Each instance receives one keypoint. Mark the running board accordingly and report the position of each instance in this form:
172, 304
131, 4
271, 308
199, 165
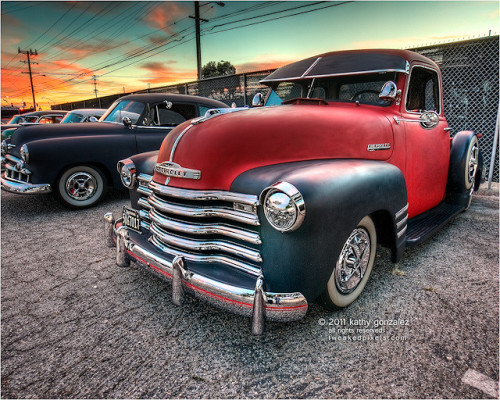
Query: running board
423, 226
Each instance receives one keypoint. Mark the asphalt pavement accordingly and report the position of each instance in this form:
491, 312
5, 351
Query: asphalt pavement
74, 325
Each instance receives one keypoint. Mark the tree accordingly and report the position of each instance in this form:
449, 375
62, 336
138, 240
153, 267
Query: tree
211, 69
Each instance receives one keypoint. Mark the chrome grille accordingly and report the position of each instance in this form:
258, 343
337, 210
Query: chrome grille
12, 173
203, 226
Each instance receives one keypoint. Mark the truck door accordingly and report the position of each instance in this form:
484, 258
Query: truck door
428, 150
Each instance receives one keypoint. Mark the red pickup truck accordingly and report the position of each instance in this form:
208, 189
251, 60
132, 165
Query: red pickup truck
261, 211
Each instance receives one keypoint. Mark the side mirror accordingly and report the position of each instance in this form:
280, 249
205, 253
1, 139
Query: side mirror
258, 100
429, 119
127, 122
93, 119
389, 92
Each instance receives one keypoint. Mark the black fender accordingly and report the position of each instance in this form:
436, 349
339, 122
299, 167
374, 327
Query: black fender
337, 195
456, 191
144, 164
48, 158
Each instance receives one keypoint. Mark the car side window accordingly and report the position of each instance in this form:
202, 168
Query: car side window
163, 115
45, 120
423, 91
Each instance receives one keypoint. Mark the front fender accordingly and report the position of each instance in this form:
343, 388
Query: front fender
337, 195
49, 157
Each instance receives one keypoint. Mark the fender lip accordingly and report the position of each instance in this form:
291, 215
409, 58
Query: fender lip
282, 307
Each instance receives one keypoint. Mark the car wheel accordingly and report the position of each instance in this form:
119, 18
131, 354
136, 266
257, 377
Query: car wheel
471, 166
81, 186
353, 266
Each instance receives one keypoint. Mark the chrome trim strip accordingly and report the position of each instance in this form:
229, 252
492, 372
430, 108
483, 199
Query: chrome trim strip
204, 194
311, 67
332, 75
144, 190
401, 223
204, 245
402, 232
206, 258
12, 158
203, 212
401, 212
144, 177
174, 147
23, 187
203, 229
143, 202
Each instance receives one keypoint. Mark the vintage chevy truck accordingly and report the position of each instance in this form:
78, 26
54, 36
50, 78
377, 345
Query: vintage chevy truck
262, 211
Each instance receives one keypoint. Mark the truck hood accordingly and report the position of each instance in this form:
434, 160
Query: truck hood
225, 146
26, 134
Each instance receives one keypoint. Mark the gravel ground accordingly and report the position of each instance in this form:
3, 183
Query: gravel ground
74, 325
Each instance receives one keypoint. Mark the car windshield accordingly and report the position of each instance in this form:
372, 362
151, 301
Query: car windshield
15, 120
352, 88
122, 109
72, 118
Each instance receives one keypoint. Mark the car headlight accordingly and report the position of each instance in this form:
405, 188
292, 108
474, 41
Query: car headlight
25, 154
128, 173
284, 206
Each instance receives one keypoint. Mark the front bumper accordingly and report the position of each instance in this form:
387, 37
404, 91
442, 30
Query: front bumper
256, 303
23, 187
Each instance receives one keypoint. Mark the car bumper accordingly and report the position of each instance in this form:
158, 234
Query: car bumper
255, 303
23, 187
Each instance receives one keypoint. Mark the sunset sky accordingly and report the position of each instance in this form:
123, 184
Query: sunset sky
130, 44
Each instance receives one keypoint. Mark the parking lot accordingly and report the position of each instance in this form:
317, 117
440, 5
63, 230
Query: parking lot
74, 325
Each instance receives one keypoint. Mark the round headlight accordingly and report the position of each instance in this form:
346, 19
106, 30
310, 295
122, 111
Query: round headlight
284, 206
127, 171
25, 155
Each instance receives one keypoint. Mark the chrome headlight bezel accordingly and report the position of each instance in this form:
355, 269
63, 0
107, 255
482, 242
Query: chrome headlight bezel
283, 206
25, 154
128, 173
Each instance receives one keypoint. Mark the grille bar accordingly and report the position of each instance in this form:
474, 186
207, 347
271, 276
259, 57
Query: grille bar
204, 194
206, 258
204, 245
203, 212
204, 229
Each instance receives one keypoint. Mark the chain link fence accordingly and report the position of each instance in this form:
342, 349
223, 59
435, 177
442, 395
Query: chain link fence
470, 71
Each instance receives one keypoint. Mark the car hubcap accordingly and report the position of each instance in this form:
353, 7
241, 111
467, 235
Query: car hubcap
353, 261
473, 161
81, 186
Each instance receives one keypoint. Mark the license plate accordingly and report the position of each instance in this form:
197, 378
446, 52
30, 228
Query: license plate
131, 219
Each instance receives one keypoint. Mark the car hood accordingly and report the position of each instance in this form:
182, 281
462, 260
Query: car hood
225, 146
25, 134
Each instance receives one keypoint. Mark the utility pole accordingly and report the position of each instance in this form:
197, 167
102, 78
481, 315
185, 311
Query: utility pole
28, 54
197, 20
95, 85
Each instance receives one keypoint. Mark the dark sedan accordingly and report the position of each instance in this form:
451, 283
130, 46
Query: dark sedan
77, 162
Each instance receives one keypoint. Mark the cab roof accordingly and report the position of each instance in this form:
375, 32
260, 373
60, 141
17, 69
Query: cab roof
351, 62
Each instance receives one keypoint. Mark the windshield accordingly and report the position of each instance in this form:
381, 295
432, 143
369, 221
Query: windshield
122, 109
352, 88
71, 118
15, 120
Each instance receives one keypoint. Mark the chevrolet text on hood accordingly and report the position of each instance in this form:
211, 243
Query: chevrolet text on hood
261, 211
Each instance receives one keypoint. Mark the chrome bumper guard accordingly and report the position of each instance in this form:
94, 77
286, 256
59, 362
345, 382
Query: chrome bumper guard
256, 304
23, 187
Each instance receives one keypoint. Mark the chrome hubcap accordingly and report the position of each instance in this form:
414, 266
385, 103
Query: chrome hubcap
81, 186
353, 261
473, 162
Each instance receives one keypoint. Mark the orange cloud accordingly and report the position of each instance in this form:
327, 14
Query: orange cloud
161, 73
252, 66
163, 15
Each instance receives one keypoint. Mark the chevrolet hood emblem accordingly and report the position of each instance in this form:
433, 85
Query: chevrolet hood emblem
173, 170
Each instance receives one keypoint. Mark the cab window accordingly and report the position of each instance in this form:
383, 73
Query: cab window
423, 91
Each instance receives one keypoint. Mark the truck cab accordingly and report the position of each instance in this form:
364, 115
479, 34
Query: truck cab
261, 211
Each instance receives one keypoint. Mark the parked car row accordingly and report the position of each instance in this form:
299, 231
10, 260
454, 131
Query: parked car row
261, 211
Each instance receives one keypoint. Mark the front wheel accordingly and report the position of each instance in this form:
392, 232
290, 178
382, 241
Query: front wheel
80, 187
353, 266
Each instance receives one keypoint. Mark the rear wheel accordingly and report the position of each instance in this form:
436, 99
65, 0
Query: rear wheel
81, 186
353, 266
471, 166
